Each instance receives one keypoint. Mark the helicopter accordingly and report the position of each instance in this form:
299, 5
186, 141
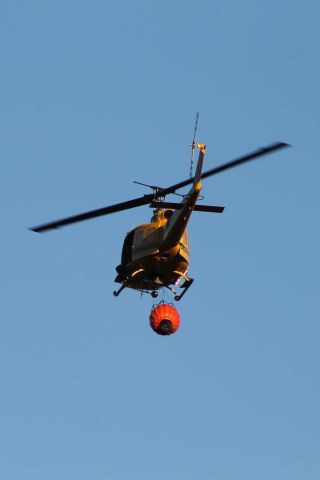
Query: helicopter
156, 255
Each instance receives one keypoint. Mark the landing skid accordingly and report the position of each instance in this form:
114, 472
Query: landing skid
185, 286
116, 293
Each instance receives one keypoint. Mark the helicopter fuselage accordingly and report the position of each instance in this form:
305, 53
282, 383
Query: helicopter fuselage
148, 262
156, 255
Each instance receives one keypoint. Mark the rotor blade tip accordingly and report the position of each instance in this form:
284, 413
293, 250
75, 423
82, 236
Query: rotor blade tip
284, 144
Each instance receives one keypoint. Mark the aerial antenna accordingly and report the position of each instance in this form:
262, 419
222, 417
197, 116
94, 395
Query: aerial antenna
193, 144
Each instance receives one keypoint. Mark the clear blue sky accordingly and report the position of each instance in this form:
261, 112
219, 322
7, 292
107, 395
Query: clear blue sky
94, 95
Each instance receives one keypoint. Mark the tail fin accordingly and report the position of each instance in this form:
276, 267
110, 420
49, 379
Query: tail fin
197, 178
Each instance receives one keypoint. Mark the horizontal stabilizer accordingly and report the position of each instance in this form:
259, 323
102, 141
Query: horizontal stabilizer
178, 206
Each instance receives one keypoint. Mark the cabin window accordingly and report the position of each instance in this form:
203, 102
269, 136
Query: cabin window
185, 239
126, 256
151, 235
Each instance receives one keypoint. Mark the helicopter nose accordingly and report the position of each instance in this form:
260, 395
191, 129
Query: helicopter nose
165, 327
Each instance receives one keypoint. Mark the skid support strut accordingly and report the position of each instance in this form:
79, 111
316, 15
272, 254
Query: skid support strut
187, 284
116, 293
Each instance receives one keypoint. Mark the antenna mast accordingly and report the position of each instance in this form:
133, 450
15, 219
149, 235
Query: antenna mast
193, 144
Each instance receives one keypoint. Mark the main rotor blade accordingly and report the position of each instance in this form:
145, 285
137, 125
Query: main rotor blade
178, 206
226, 166
136, 202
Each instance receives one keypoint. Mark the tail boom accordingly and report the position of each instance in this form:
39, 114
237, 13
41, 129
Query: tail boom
179, 220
